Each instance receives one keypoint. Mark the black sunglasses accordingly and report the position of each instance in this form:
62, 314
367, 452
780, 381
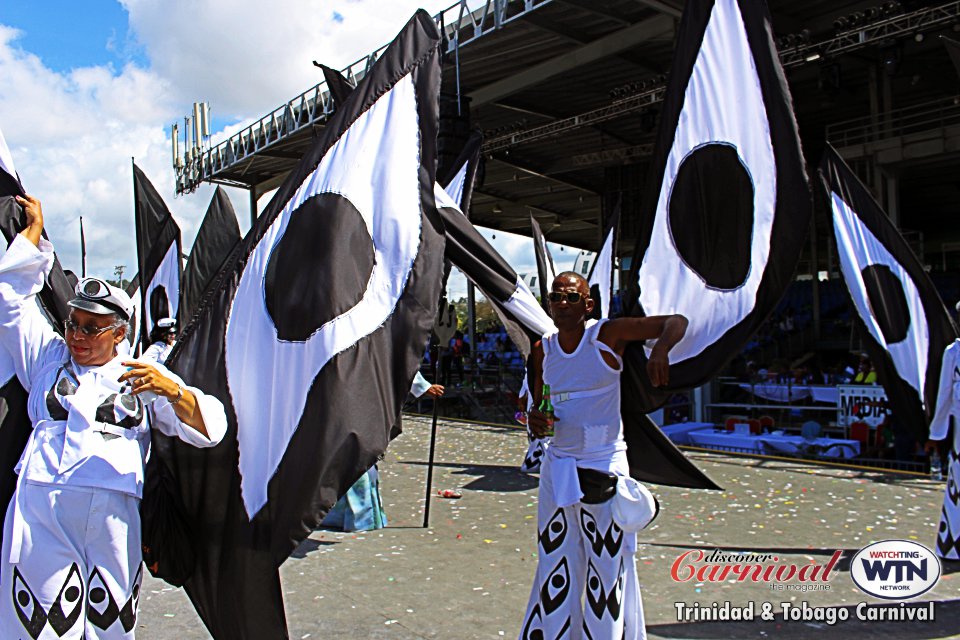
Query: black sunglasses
572, 297
89, 330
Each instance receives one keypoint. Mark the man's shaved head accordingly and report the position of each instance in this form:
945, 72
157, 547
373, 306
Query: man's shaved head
581, 282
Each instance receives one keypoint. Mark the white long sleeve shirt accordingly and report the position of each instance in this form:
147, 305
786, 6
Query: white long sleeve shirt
87, 431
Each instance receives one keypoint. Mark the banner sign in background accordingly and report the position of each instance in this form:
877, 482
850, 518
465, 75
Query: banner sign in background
861, 403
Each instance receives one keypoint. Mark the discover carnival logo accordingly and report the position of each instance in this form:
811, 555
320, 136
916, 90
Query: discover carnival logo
744, 566
895, 569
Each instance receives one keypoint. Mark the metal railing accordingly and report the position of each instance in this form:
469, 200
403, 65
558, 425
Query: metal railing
458, 25
920, 118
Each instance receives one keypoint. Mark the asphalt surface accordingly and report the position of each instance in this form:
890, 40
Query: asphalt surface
468, 575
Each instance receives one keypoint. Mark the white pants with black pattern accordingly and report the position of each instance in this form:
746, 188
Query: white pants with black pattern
586, 581
79, 571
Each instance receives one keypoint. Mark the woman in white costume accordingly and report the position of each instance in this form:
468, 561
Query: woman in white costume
162, 339
71, 560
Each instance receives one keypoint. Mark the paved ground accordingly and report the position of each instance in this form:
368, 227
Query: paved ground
468, 576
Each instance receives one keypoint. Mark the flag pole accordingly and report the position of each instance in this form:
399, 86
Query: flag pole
83, 252
433, 442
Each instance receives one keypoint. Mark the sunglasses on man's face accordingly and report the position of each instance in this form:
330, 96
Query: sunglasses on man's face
572, 297
88, 330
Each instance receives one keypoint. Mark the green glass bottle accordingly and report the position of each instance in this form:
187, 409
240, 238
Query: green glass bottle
546, 407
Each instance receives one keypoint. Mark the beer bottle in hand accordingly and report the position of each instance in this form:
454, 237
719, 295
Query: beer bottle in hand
546, 407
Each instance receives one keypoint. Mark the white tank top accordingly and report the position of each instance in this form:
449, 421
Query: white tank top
585, 392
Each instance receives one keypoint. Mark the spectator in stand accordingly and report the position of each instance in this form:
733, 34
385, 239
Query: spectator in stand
865, 373
458, 348
787, 324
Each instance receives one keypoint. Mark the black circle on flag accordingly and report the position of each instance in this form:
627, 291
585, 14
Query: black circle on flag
888, 302
711, 215
320, 267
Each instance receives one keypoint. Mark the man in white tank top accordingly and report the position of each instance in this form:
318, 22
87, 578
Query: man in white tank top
586, 582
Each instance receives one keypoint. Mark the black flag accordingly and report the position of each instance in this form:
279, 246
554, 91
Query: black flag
464, 172
311, 337
133, 335
546, 272
219, 234
158, 256
518, 309
458, 184
898, 309
729, 206
601, 272
338, 86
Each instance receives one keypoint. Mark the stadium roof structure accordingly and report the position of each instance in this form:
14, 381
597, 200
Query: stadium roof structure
567, 94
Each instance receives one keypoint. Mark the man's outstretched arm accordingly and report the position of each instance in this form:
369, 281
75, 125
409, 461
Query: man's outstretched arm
666, 330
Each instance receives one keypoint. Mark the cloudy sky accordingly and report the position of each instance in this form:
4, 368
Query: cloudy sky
90, 85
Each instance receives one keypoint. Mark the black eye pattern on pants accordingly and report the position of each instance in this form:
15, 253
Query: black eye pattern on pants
68, 606
554, 533
611, 540
102, 609
597, 597
31, 614
555, 590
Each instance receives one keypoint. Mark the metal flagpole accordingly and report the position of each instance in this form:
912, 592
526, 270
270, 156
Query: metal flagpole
433, 441
444, 328
83, 252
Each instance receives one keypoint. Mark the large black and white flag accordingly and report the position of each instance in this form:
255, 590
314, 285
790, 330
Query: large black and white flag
466, 249
728, 205
312, 335
898, 308
219, 234
158, 256
601, 272
546, 272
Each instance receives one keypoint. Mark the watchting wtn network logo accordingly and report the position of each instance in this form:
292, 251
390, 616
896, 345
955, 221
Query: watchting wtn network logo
895, 569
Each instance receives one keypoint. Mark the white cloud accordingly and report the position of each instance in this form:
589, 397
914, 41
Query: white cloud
72, 134
247, 58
